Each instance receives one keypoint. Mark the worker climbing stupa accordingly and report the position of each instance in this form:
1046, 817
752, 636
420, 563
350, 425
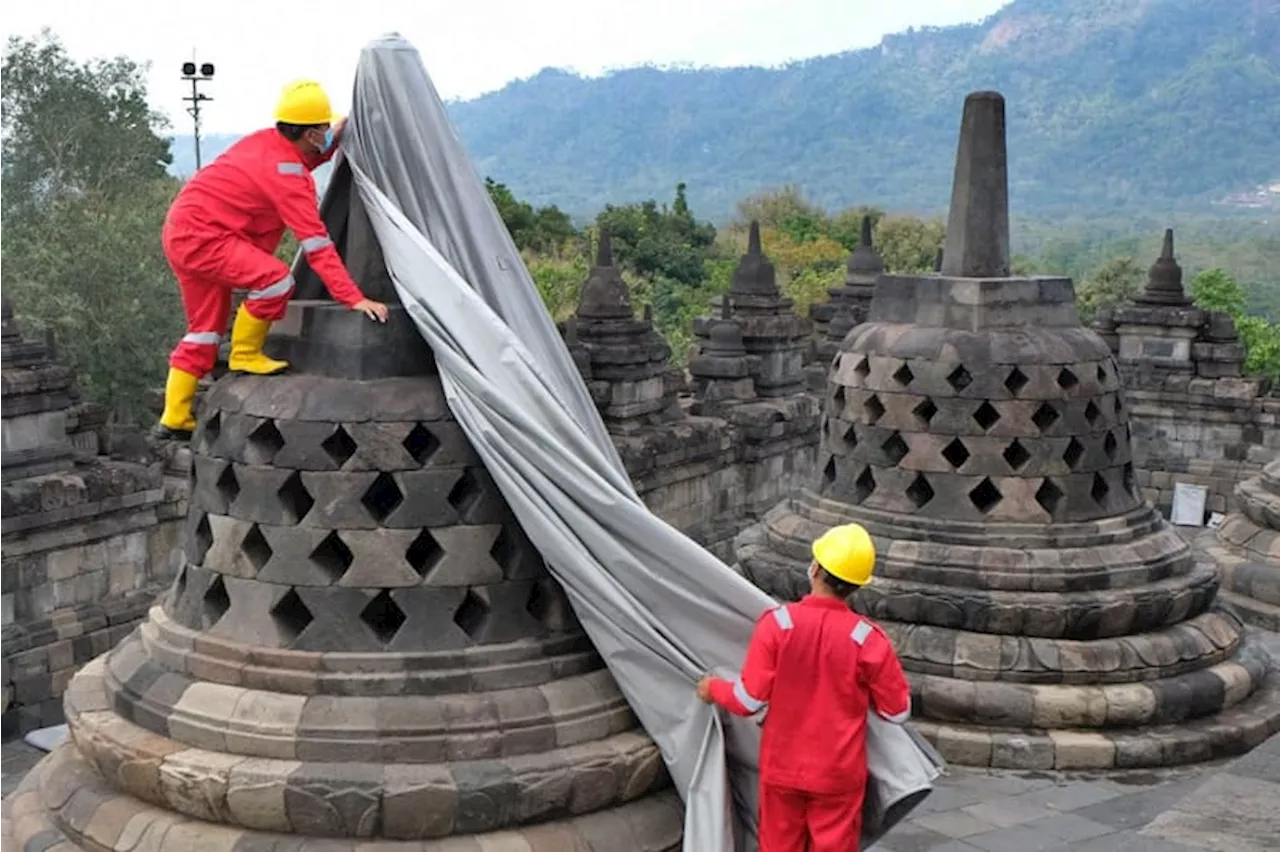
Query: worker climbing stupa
221, 234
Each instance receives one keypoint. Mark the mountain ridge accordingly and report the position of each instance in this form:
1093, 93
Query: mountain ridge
1113, 106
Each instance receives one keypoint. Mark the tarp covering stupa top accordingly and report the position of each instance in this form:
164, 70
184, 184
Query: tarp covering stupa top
661, 610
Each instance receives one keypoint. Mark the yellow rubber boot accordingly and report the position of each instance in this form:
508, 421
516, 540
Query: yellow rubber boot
247, 336
177, 422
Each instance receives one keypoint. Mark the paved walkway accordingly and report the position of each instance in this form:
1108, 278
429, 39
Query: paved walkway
1037, 812
1223, 808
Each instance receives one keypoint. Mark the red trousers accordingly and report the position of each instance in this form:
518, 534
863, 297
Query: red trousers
208, 268
796, 821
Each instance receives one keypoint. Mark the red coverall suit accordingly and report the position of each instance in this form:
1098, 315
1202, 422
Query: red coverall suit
818, 666
222, 230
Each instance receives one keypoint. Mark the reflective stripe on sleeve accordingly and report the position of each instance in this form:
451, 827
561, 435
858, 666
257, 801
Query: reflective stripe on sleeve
311, 244
753, 705
202, 338
860, 632
783, 618
280, 288
290, 168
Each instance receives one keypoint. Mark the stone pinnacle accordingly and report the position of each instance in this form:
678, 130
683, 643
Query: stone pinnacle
1164, 279
865, 259
977, 243
754, 275
604, 252
605, 295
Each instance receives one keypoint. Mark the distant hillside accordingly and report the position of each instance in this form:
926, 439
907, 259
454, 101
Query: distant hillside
1113, 106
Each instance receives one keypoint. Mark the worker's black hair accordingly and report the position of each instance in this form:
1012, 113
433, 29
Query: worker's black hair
835, 584
293, 132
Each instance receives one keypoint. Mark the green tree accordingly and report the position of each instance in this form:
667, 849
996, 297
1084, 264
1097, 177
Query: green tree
659, 241
1114, 283
784, 208
1215, 290
846, 226
908, 244
84, 198
75, 127
559, 281
545, 229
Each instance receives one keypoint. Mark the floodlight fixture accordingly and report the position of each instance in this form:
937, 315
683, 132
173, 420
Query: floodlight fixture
196, 74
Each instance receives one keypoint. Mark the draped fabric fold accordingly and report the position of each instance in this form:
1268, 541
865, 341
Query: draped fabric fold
660, 609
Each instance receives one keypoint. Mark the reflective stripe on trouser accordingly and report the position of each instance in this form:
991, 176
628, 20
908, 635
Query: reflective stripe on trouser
208, 308
277, 290
207, 273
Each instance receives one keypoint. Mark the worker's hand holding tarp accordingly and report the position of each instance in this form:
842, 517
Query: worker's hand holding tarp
660, 609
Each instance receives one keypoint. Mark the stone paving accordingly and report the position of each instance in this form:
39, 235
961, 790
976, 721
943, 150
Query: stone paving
1222, 808
1009, 811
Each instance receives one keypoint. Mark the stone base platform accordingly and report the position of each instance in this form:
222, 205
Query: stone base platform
1247, 550
1231, 732
1083, 646
65, 805
117, 785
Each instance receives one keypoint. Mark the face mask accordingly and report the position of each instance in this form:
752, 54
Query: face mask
328, 141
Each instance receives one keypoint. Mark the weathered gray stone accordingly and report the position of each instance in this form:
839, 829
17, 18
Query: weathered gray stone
342, 652
982, 437
978, 228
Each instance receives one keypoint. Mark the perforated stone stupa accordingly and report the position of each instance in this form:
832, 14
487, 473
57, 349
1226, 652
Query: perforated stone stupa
1048, 618
849, 302
1247, 547
362, 646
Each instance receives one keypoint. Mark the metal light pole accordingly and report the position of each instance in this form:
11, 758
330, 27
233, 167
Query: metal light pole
196, 75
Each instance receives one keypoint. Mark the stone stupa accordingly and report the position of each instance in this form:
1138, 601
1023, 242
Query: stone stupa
362, 650
1247, 548
1047, 617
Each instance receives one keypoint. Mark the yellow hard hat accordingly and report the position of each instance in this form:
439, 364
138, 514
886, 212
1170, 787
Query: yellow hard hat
304, 102
847, 553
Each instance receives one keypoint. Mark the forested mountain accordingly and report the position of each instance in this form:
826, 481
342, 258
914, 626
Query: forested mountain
1113, 105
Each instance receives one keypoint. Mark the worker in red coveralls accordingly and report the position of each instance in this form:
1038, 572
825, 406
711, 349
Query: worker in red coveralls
818, 667
222, 233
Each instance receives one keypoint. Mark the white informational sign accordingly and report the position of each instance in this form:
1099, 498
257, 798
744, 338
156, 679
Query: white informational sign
1188, 504
1215, 520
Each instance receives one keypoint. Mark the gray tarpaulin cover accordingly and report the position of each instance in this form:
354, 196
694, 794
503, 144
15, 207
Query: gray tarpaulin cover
661, 610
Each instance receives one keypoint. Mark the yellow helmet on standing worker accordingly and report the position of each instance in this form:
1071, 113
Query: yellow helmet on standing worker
846, 553
304, 103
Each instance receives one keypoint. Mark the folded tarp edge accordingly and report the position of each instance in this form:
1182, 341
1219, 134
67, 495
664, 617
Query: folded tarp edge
514, 390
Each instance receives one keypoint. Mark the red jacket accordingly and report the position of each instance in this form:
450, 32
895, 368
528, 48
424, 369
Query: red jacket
818, 666
256, 189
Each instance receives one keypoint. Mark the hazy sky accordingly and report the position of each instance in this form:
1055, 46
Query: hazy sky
469, 46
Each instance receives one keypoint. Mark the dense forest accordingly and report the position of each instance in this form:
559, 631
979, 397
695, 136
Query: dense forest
1114, 107
86, 162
